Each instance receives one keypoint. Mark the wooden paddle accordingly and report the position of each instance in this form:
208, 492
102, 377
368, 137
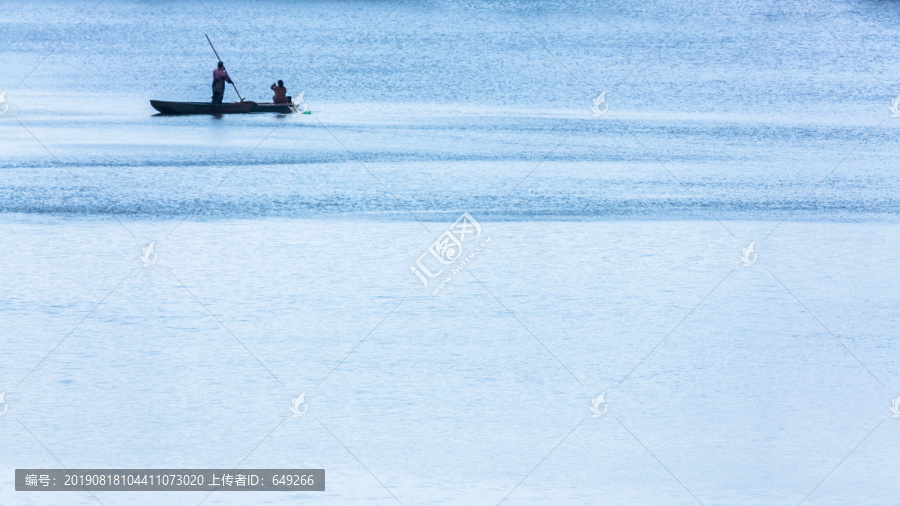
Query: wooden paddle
217, 57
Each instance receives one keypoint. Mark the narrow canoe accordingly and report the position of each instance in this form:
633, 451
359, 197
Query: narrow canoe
209, 108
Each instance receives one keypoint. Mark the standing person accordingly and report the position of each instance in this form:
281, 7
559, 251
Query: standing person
220, 77
280, 96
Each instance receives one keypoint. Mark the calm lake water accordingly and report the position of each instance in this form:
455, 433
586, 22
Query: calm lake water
283, 247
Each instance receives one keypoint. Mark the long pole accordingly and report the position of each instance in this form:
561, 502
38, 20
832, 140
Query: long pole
217, 57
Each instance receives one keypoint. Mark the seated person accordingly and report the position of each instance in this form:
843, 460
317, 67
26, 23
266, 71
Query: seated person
280, 96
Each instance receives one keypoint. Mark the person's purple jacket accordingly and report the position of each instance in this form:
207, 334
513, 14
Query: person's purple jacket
221, 75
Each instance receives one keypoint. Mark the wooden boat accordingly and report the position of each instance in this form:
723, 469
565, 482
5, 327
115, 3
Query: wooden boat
245, 107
